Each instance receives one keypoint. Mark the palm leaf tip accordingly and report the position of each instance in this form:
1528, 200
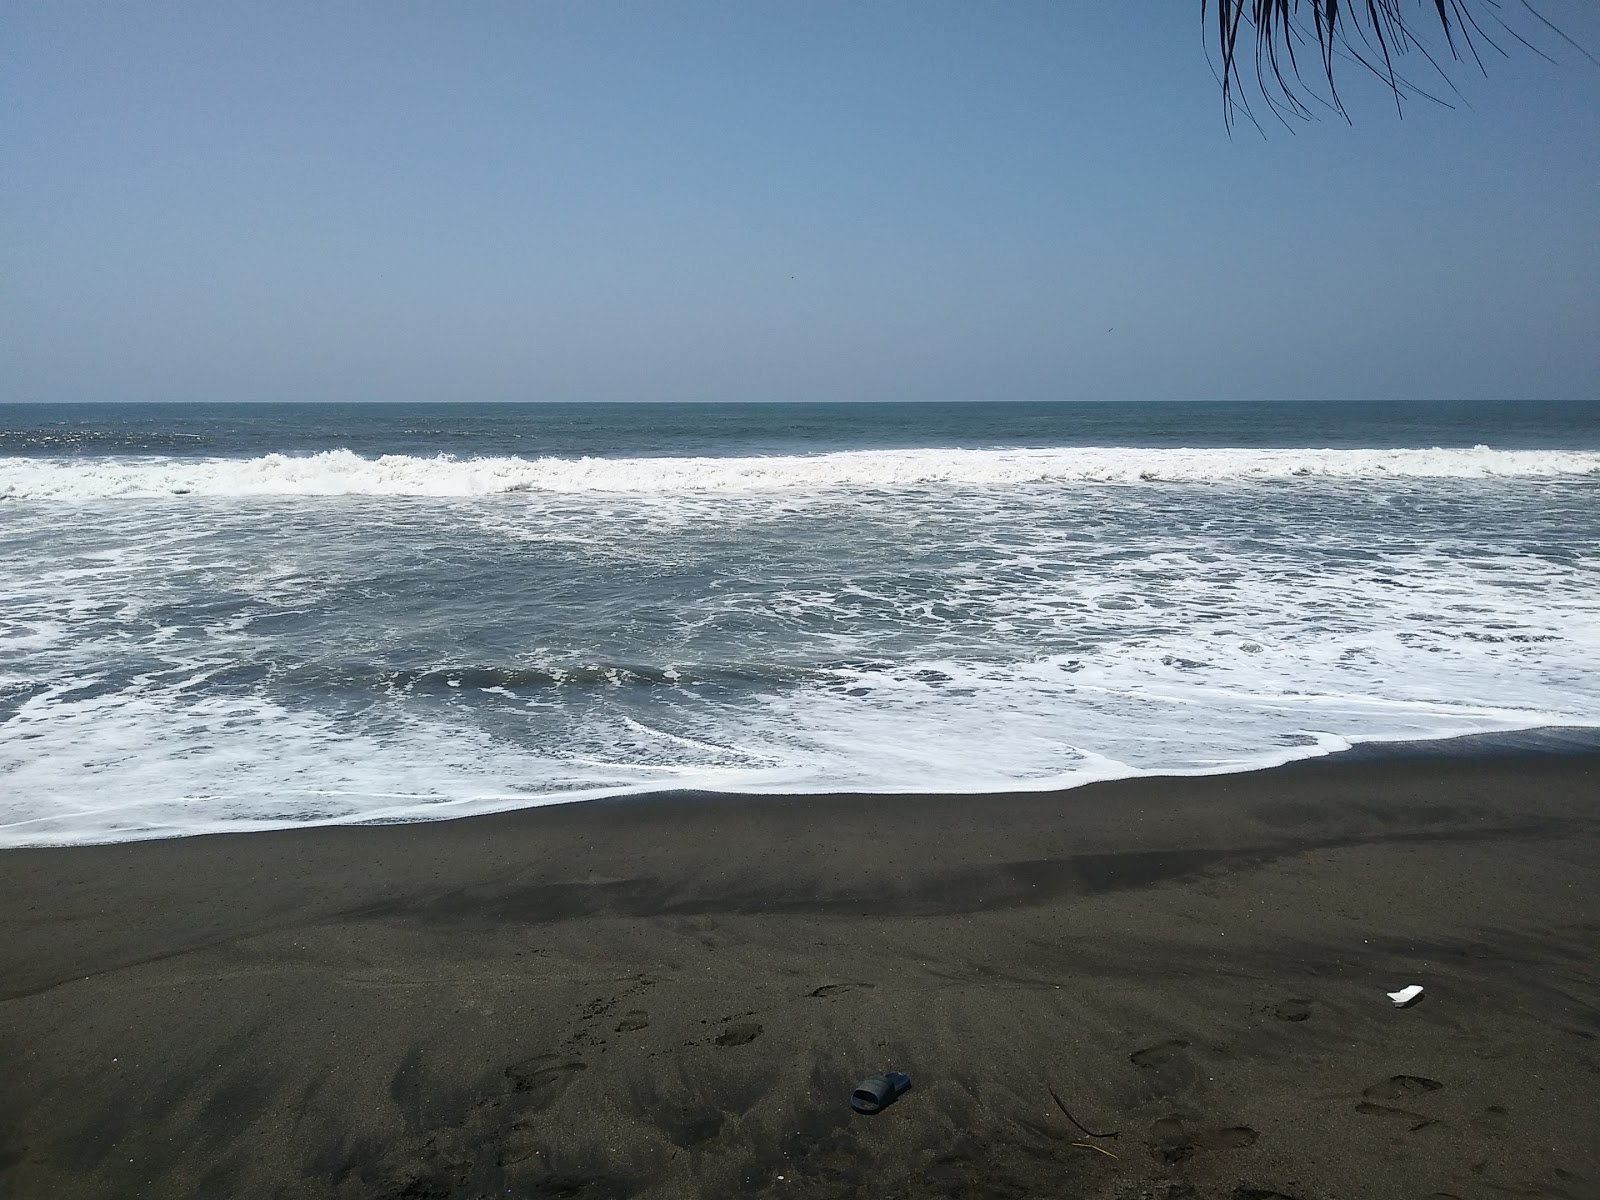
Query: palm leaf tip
1372, 36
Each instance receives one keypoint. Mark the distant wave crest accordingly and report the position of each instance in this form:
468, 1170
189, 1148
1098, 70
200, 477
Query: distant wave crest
344, 473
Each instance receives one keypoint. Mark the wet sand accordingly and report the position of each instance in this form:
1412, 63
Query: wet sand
673, 997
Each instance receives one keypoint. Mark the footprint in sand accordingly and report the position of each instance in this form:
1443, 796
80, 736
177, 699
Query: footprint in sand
1399, 1087
689, 1130
539, 1081
829, 989
1173, 1143
1234, 1137
1292, 1010
520, 1142
1155, 1056
1170, 1141
740, 1034
634, 1020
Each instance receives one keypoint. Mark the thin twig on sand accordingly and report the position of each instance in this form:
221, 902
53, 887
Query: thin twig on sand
1089, 1132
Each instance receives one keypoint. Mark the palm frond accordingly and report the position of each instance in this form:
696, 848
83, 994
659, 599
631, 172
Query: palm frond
1371, 36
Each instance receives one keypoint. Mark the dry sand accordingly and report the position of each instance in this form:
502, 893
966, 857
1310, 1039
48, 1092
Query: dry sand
672, 997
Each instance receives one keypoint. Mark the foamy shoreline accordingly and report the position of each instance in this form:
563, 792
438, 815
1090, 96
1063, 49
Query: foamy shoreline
1579, 741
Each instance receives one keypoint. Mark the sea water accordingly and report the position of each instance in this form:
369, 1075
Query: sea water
218, 617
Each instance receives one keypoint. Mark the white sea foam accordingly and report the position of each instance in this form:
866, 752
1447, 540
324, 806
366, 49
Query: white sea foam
343, 473
170, 670
150, 761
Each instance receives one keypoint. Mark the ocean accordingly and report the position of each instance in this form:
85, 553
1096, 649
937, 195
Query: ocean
227, 617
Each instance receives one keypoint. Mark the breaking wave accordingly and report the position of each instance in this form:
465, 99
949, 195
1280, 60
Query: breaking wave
344, 473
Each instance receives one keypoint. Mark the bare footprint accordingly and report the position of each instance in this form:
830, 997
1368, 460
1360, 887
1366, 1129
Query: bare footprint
1399, 1087
1170, 1141
1292, 1010
1174, 1143
631, 1021
520, 1142
1167, 1129
688, 1130
1154, 1056
539, 1081
740, 1034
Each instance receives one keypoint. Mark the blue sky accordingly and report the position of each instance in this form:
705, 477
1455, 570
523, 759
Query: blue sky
754, 200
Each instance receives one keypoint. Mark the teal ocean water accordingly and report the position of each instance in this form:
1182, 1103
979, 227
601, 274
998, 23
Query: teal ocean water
224, 617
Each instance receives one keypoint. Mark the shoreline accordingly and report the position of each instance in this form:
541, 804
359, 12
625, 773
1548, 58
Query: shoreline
1537, 740
671, 995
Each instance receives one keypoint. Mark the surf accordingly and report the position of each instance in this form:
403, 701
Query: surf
342, 472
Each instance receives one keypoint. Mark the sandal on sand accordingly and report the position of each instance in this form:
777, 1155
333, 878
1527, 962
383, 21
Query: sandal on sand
875, 1094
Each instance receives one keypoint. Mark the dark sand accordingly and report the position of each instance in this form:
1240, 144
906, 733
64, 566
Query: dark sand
673, 997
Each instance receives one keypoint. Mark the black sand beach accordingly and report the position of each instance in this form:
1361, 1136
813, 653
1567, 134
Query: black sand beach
673, 997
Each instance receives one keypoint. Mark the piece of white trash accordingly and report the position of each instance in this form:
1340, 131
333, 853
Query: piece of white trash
1406, 995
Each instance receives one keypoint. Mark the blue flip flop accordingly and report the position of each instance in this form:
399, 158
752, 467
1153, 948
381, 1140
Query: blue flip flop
876, 1093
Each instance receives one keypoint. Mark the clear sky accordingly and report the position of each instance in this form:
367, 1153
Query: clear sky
764, 200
